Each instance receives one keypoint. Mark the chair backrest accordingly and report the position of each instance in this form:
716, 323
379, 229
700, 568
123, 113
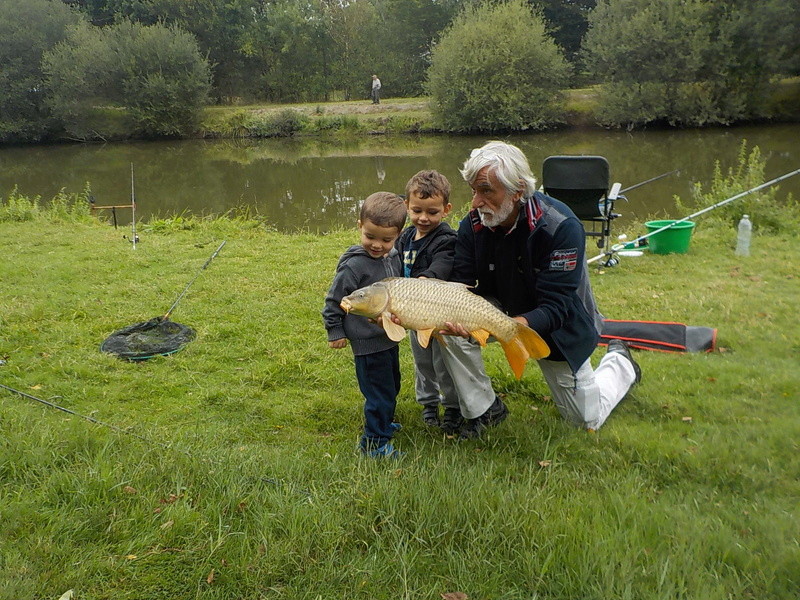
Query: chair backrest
580, 182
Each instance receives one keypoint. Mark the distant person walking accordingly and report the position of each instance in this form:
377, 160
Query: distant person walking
376, 90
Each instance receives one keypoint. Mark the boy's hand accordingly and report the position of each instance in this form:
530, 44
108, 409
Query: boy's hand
338, 344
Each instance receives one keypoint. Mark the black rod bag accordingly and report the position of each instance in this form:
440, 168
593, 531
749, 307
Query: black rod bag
660, 336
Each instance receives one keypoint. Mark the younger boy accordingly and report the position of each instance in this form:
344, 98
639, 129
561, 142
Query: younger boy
377, 363
427, 247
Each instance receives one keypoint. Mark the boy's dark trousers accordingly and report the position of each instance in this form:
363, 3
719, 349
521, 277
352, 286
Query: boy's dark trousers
379, 380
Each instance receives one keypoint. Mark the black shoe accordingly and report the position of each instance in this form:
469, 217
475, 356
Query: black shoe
430, 415
452, 421
622, 347
474, 428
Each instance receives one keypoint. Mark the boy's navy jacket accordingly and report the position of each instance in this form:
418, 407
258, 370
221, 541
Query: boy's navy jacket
537, 270
435, 256
357, 269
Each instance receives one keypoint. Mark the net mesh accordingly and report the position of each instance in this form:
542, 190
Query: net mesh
147, 339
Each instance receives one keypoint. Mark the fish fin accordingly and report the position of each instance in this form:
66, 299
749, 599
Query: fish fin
534, 344
424, 337
516, 354
481, 335
392, 329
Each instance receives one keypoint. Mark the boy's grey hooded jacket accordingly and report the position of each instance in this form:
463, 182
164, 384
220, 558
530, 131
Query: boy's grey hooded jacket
357, 269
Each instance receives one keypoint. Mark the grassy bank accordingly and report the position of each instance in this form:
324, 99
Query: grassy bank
405, 115
231, 470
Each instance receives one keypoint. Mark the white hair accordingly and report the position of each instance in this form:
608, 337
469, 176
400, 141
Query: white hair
507, 162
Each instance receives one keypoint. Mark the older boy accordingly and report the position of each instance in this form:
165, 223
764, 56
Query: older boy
427, 247
376, 357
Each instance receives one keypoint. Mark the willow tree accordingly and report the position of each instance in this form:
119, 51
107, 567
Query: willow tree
27, 30
496, 69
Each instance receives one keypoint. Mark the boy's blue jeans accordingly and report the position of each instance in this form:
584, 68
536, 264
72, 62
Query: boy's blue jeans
378, 377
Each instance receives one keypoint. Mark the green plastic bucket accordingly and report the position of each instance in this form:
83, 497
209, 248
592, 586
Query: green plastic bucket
674, 240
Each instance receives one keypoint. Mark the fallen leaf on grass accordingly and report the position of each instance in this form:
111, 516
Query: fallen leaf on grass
36, 387
686, 419
210, 578
544, 463
67, 595
131, 557
130, 490
168, 524
455, 596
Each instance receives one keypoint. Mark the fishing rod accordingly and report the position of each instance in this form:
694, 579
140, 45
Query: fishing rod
618, 247
269, 480
640, 184
134, 238
188, 285
84, 417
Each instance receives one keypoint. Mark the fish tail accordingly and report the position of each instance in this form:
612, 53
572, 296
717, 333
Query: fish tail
525, 344
537, 348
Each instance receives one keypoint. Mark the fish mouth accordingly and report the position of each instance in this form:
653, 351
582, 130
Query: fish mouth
345, 305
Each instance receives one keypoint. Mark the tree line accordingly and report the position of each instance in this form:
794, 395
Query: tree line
69, 66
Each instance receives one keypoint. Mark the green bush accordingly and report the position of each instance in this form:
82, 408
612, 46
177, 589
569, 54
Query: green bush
496, 69
18, 207
767, 213
156, 72
64, 207
684, 63
327, 124
285, 123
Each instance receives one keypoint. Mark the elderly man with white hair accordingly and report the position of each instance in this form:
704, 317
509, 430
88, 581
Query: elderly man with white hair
525, 251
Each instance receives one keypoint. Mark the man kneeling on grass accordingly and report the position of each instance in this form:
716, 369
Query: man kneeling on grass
526, 251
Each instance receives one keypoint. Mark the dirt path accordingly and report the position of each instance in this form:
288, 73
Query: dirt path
353, 107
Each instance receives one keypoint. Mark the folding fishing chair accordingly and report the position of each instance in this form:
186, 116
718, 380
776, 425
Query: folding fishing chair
582, 183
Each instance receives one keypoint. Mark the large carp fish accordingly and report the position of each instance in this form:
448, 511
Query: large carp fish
425, 305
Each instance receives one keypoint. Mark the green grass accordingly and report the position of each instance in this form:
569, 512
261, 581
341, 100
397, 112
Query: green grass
234, 471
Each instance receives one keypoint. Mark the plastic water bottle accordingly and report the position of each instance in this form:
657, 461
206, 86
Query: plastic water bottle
743, 239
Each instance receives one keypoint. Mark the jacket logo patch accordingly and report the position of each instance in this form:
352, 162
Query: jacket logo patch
564, 260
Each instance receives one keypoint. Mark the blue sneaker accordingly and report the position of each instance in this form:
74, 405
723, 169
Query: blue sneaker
396, 426
385, 451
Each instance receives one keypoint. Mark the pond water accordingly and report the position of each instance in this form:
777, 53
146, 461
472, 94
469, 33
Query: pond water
316, 185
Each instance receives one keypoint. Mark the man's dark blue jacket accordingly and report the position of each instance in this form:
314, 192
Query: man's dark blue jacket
536, 269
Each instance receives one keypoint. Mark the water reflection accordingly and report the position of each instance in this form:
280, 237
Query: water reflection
379, 170
316, 185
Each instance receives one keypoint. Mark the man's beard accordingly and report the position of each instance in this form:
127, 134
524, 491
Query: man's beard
495, 218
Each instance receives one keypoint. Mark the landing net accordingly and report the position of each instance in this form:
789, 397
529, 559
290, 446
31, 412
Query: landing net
158, 336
